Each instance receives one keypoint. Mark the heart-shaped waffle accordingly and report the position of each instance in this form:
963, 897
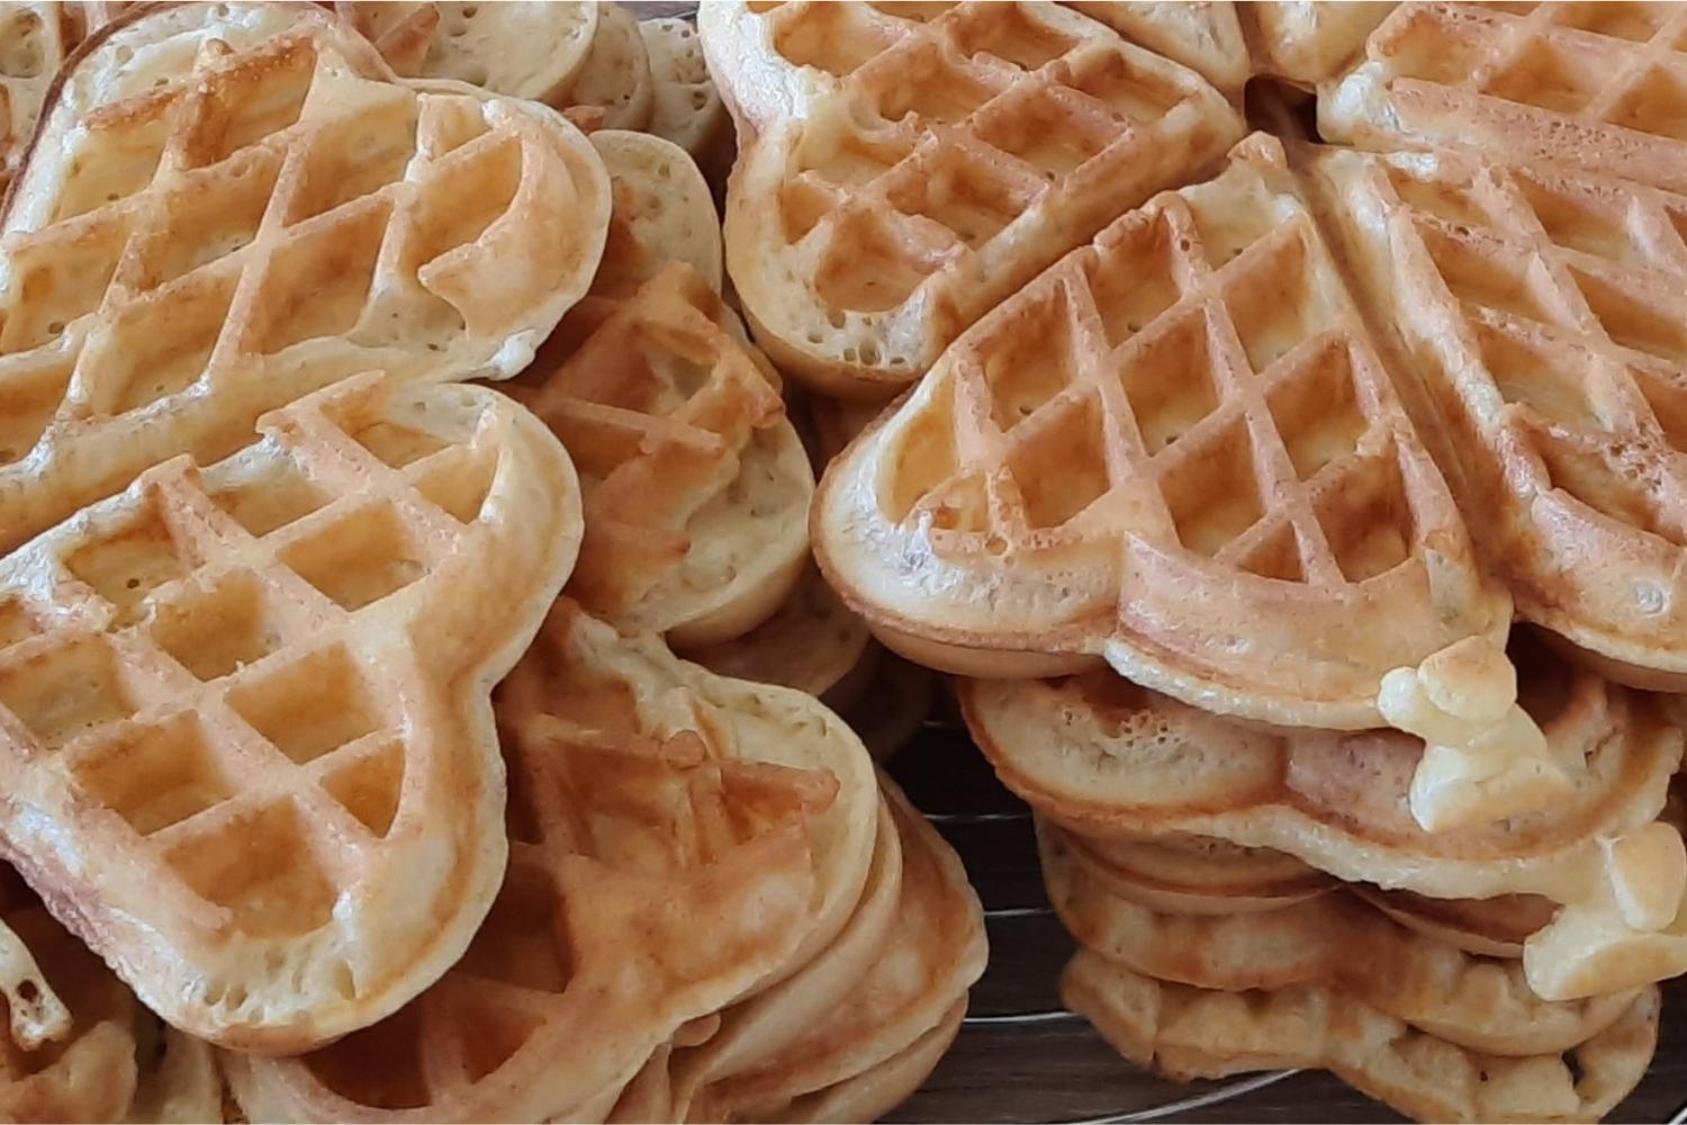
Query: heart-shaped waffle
1480, 1003
677, 838
1106, 758
899, 173
1534, 312
1177, 449
229, 206
245, 732
1598, 86
696, 484
1188, 1033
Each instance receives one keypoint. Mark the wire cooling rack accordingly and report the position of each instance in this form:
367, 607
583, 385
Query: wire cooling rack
1022, 1057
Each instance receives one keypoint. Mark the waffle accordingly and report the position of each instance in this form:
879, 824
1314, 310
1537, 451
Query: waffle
1307, 42
35, 39
896, 179
930, 956
1478, 1003
1599, 86
676, 838
195, 241
243, 717
1106, 758
696, 485
1532, 308
525, 50
1203, 35
1188, 1033
873, 1093
1491, 927
686, 107
812, 643
1179, 450
616, 77
1183, 874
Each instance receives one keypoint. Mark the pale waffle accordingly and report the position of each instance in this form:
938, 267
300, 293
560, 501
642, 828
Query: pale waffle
1308, 42
897, 178
927, 960
244, 717
1188, 1033
1182, 874
696, 484
1203, 35
1106, 758
1179, 450
525, 50
687, 109
35, 39
229, 206
811, 643
1600, 86
1533, 310
677, 838
1479, 1003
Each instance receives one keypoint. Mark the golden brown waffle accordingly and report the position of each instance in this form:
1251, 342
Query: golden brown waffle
1188, 1033
1179, 450
1532, 309
926, 961
1106, 758
1203, 35
676, 838
244, 719
1479, 1003
232, 205
1306, 41
696, 485
1492, 927
897, 178
1601, 86
812, 643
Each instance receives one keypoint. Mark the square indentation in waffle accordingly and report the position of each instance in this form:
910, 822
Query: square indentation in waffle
17, 622
126, 564
1228, 226
966, 193
249, 103
393, 444
925, 454
358, 559
310, 707
262, 866
1584, 221
213, 215
65, 272
1126, 88
1606, 489
1169, 380
835, 38
1632, 317
1009, 32
157, 775
1134, 279
30, 393
922, 82
875, 262
1460, 204
218, 630
1548, 75
1029, 358
142, 360
357, 156
1655, 103
318, 283
459, 483
1212, 490
1549, 378
279, 496
1317, 410
1667, 397
1494, 276
119, 156
369, 783
1061, 465
1617, 19
70, 690
1420, 47
1367, 517
1274, 304
1042, 127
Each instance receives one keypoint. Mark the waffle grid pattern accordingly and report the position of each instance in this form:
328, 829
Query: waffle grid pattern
1619, 69
211, 638
955, 127
1567, 289
1192, 371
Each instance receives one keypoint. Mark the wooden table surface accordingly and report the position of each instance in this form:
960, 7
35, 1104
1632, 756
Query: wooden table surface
1022, 1058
